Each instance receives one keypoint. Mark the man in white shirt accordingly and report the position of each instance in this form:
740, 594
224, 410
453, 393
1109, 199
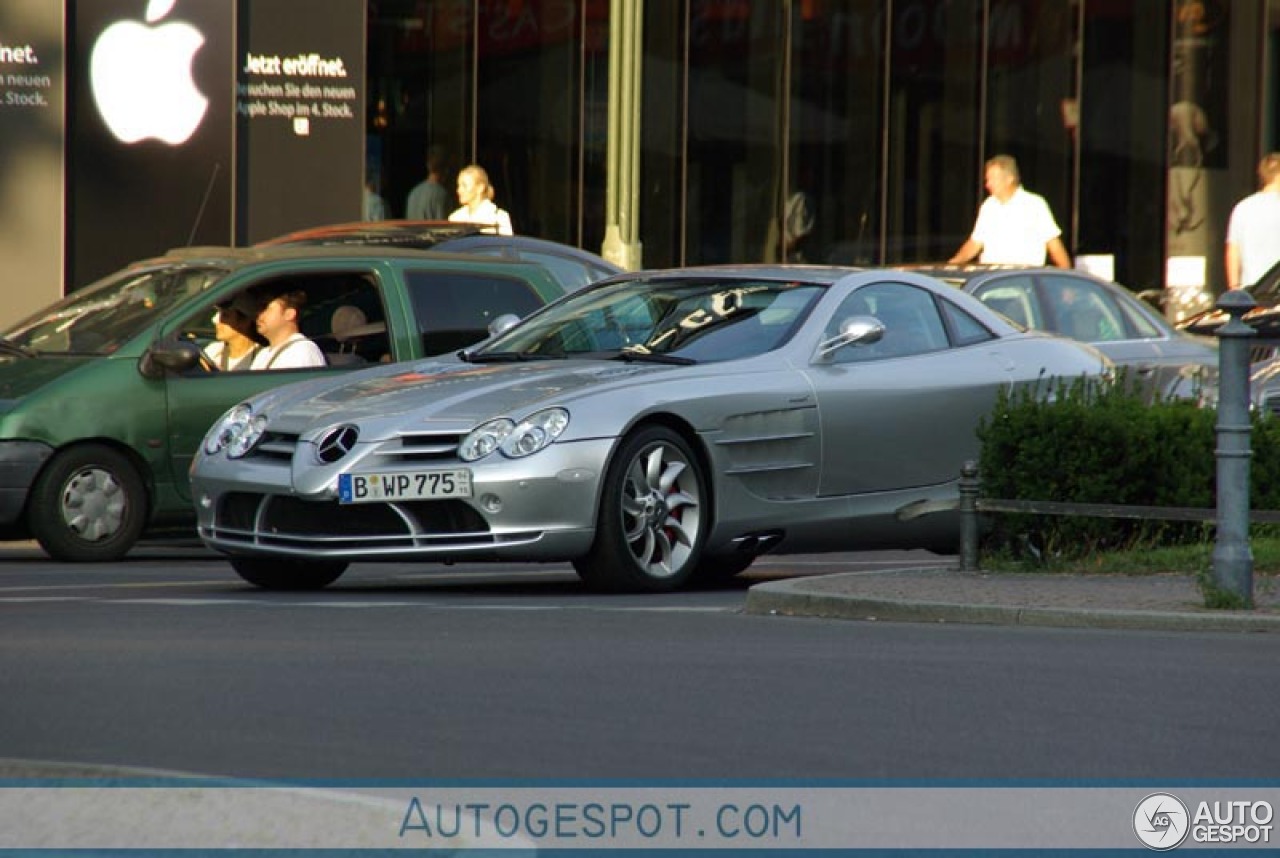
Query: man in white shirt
1014, 226
286, 347
1253, 233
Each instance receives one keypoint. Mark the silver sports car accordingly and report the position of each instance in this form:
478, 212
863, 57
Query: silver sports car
655, 428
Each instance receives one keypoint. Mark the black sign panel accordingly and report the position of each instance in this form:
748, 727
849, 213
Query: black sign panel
150, 126
300, 115
31, 130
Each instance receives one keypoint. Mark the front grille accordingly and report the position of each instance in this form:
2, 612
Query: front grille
1257, 354
285, 515
274, 445
286, 521
238, 510
424, 447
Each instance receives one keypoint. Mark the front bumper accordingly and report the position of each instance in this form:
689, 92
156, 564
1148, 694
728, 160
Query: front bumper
20, 462
540, 508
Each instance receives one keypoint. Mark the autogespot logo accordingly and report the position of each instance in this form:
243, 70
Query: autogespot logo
1160, 820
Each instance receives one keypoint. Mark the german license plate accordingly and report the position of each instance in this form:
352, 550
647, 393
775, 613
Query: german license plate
412, 485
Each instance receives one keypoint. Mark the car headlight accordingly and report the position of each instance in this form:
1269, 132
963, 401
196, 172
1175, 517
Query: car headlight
514, 440
243, 443
237, 432
484, 439
534, 433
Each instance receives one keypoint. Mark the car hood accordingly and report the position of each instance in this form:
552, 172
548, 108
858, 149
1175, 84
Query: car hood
445, 392
21, 376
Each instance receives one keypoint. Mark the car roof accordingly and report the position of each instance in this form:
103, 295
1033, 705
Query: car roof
236, 257
826, 274
527, 242
387, 233
964, 274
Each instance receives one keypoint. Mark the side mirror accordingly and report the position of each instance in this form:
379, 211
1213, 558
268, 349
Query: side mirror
500, 324
855, 330
169, 356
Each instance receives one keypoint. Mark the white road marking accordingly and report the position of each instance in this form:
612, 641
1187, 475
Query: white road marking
235, 600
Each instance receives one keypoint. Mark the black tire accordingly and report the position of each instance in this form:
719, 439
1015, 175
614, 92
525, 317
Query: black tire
653, 517
89, 504
271, 573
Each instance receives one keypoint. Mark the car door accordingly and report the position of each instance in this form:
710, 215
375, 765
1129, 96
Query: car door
345, 314
902, 413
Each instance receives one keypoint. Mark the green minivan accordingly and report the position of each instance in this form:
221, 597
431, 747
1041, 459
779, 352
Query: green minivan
104, 396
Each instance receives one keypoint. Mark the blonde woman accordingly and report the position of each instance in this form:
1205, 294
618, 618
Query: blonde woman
476, 195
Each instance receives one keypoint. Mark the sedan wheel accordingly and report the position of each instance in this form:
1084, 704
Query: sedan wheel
89, 504
271, 573
653, 518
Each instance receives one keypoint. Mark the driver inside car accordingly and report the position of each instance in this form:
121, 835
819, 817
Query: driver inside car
236, 341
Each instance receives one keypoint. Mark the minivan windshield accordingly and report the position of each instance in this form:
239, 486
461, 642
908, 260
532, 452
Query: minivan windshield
694, 320
100, 318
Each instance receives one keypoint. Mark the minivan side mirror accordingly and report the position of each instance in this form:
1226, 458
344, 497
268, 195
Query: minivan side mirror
169, 356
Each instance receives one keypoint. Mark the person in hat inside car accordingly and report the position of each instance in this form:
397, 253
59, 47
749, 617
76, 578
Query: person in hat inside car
235, 342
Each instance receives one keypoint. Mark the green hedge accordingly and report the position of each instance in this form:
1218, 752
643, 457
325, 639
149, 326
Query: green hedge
1091, 443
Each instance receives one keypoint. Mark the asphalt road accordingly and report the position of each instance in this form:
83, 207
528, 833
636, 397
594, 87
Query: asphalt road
169, 663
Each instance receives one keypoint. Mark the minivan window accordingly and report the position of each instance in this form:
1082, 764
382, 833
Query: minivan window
100, 318
343, 313
454, 309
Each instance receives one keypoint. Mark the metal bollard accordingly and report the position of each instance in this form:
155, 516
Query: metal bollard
1232, 556
969, 487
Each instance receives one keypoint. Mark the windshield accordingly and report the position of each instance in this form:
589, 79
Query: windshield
703, 319
100, 318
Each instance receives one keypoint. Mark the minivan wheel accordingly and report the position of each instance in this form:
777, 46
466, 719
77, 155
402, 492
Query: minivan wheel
89, 504
271, 573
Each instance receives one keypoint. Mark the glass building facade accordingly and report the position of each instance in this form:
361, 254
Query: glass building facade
1140, 121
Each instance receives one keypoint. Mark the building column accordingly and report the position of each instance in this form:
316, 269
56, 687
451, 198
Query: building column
622, 173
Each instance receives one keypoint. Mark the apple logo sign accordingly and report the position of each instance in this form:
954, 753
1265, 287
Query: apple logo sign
141, 78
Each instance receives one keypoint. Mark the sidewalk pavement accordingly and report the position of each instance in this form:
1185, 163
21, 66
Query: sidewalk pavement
1163, 601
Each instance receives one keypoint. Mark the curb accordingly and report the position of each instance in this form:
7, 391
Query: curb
794, 598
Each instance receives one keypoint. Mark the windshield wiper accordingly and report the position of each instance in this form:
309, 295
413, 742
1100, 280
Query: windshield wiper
504, 357
631, 356
9, 347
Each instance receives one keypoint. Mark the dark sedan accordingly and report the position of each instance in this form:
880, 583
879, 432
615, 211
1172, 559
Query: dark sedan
1265, 319
1106, 315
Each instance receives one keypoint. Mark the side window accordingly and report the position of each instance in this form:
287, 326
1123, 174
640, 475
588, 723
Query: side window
1014, 298
1082, 310
1142, 326
454, 309
341, 312
345, 317
570, 274
910, 317
965, 329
